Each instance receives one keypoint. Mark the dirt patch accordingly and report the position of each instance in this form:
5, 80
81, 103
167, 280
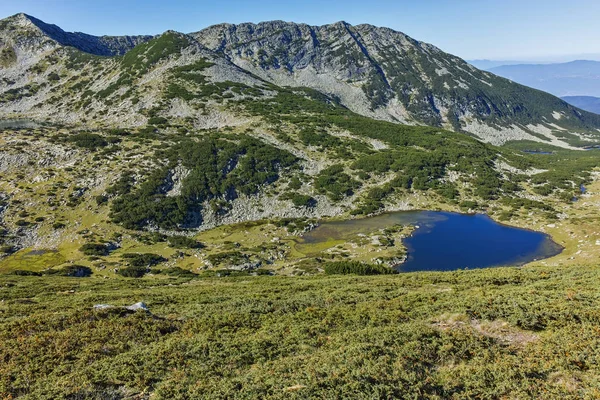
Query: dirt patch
499, 330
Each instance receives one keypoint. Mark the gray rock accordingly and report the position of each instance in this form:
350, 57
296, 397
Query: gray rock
138, 306
134, 307
102, 306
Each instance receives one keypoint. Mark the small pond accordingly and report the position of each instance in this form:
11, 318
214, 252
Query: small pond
538, 152
18, 124
445, 241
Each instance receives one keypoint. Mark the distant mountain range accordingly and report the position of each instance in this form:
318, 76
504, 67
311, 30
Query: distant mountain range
488, 64
576, 78
587, 103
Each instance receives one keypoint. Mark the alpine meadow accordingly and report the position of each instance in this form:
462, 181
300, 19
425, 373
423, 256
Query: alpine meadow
290, 211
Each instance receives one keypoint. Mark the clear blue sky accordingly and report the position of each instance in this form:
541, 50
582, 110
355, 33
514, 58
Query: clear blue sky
494, 29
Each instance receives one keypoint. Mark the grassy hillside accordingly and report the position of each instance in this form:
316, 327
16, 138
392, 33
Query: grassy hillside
496, 333
300, 158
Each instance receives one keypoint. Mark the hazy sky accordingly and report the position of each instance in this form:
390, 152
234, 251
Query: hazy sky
494, 29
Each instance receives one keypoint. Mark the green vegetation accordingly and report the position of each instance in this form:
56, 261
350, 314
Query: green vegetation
356, 268
495, 333
133, 271
142, 57
89, 141
7, 56
143, 260
77, 271
184, 242
219, 168
420, 158
299, 200
94, 249
335, 182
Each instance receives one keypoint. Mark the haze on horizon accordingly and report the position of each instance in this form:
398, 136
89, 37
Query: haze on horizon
532, 30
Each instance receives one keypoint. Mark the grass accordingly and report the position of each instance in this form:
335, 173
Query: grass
495, 333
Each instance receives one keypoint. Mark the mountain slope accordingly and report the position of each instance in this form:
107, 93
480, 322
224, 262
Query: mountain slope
576, 78
44, 79
385, 74
198, 79
173, 137
101, 46
588, 103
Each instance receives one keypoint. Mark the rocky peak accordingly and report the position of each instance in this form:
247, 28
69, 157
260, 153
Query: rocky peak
103, 46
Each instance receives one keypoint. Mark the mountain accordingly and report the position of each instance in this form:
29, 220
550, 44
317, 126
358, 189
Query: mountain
587, 103
214, 152
486, 65
29, 28
576, 78
52, 75
385, 74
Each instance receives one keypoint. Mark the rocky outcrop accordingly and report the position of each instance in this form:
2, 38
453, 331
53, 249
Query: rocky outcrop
97, 45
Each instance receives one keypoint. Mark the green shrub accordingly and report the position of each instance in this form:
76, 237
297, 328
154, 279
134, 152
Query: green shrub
232, 258
101, 199
143, 260
7, 249
468, 204
133, 272
184, 242
357, 268
94, 249
157, 121
295, 183
76, 271
178, 272
299, 200
21, 272
89, 141
211, 176
335, 182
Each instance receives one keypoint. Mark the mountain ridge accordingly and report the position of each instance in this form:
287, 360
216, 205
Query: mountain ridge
374, 71
588, 103
98, 45
574, 78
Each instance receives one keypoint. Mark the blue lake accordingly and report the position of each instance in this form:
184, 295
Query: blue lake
447, 241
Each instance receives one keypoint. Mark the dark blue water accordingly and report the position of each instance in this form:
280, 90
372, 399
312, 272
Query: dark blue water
447, 241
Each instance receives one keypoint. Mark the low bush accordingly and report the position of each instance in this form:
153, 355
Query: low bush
299, 200
184, 242
75, 271
133, 272
356, 268
22, 272
178, 272
94, 249
143, 260
89, 141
